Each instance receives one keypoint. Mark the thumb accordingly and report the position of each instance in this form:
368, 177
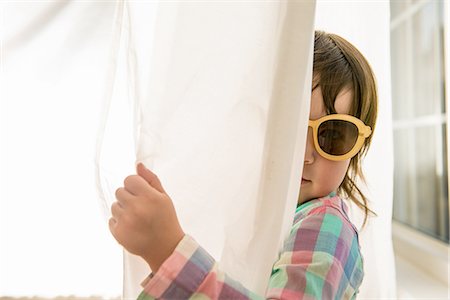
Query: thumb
150, 177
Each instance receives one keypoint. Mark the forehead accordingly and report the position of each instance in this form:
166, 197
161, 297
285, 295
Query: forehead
342, 103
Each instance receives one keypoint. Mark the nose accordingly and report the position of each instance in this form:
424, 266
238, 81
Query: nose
310, 150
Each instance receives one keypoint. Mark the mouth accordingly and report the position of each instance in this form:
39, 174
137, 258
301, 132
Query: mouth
305, 181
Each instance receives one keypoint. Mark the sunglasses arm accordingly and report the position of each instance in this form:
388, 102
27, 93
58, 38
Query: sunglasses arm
367, 131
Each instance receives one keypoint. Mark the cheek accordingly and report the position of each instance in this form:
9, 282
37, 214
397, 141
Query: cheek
333, 173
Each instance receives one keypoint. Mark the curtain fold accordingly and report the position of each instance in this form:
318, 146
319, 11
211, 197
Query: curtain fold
218, 94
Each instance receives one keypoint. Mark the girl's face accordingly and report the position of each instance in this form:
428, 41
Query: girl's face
320, 175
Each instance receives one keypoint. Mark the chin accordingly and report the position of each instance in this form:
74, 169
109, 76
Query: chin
303, 198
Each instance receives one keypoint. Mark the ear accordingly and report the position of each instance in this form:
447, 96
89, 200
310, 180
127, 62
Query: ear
150, 177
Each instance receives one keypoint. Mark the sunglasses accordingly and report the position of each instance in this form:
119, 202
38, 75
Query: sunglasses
338, 136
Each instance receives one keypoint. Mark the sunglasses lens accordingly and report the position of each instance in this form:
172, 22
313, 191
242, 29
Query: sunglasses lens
337, 137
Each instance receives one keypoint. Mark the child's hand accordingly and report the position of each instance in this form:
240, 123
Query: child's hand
144, 220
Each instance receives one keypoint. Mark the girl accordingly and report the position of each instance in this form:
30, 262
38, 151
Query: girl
321, 258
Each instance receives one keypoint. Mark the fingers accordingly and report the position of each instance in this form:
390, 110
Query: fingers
115, 230
150, 177
135, 185
116, 210
123, 196
112, 226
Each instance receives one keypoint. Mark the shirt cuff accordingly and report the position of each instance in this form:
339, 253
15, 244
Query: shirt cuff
189, 263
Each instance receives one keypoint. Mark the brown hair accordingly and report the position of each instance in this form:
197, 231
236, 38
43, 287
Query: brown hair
339, 65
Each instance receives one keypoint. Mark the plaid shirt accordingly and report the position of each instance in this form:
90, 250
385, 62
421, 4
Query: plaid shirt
320, 259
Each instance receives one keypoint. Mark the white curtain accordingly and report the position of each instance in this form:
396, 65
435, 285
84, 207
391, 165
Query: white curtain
219, 93
213, 96
366, 25
53, 238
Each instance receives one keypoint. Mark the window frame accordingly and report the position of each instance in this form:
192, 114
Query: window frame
447, 83
410, 243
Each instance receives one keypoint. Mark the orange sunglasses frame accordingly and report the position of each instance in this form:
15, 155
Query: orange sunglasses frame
364, 132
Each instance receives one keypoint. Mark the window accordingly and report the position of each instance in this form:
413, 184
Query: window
420, 121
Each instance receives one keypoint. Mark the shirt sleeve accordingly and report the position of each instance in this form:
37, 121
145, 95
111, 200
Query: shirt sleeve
320, 260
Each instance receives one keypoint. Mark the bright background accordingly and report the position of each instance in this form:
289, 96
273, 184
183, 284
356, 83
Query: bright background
54, 239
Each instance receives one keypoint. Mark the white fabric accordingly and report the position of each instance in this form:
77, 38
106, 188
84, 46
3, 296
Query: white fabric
53, 239
220, 94
366, 25
228, 124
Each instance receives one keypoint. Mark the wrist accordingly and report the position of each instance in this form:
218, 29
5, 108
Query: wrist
157, 256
